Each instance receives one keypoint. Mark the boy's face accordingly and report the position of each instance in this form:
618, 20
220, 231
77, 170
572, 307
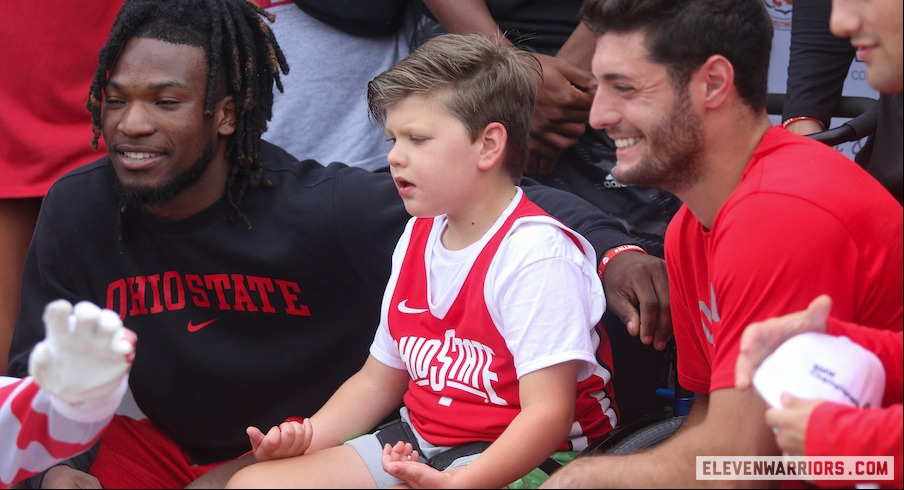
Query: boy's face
153, 125
433, 160
874, 27
657, 132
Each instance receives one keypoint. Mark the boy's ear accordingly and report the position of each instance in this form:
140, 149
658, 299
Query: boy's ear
493, 140
225, 116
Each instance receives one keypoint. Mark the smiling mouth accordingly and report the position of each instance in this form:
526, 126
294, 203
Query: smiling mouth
138, 155
622, 143
138, 160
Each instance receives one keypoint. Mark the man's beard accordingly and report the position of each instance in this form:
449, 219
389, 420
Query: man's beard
678, 143
129, 196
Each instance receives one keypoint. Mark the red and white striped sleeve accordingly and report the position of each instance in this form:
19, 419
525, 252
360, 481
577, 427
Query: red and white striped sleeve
34, 435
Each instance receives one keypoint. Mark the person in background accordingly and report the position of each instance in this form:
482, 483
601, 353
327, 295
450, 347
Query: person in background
818, 65
322, 111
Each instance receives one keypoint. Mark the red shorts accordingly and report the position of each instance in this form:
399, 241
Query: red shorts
139, 454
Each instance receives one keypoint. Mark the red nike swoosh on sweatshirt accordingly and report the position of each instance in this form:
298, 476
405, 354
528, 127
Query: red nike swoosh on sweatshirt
194, 328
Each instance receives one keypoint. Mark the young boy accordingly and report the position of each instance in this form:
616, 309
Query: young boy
488, 324
78, 378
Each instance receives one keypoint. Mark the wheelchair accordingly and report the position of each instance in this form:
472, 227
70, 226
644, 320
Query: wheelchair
651, 403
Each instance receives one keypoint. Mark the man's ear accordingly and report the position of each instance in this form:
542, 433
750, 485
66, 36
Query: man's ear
225, 116
492, 140
716, 76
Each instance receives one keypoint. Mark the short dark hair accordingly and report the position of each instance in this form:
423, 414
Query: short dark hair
243, 60
477, 79
683, 34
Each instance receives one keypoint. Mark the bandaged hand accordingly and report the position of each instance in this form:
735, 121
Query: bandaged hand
83, 360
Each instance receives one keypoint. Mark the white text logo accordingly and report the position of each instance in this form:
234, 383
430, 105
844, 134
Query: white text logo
462, 364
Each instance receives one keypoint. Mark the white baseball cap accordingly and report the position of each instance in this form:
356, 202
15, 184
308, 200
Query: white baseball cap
817, 366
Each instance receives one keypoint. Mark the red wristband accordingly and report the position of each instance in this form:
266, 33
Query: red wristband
615, 251
792, 120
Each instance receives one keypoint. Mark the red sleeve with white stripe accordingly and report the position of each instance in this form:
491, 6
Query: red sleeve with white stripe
34, 435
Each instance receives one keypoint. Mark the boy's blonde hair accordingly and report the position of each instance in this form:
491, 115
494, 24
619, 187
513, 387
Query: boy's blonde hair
476, 79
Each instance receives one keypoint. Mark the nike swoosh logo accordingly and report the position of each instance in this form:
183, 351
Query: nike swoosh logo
194, 328
404, 308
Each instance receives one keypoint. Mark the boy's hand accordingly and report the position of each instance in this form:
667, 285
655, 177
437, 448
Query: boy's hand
291, 438
401, 452
401, 461
85, 357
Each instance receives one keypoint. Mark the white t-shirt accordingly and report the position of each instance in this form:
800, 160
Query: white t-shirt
538, 284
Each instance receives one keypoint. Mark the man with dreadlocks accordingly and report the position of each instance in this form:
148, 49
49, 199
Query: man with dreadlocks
240, 269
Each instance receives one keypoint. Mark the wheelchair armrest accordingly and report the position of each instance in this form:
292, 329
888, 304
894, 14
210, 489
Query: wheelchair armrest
859, 127
862, 111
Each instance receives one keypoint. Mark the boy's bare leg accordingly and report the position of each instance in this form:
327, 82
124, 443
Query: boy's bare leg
334, 467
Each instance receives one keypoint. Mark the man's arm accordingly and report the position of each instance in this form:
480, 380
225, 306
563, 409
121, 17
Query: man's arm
79, 375
25, 415
465, 17
818, 64
72, 472
856, 431
39, 286
888, 347
728, 422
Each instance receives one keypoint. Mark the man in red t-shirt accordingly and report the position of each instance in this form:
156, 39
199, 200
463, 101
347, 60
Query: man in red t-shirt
770, 219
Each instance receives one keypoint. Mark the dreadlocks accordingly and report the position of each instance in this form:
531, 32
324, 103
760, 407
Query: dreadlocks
241, 50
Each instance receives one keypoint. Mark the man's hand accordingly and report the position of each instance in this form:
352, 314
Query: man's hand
291, 438
762, 338
637, 291
84, 359
62, 476
790, 423
560, 116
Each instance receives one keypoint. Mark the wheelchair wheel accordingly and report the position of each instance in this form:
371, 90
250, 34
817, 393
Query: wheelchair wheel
647, 437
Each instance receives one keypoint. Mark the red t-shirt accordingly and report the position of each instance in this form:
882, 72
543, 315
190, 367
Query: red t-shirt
49, 51
805, 220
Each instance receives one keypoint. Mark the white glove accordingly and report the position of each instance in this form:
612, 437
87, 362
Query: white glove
84, 359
